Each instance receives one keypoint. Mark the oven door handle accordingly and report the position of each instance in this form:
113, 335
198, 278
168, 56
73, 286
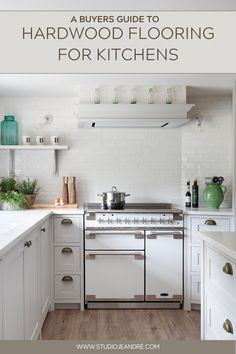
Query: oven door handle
175, 234
137, 255
93, 235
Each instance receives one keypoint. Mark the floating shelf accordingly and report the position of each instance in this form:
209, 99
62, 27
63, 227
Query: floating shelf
53, 148
139, 115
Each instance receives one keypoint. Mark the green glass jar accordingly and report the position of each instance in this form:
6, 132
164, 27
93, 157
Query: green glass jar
9, 131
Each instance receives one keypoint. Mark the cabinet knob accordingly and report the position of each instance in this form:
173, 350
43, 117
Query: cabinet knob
67, 250
210, 222
66, 222
43, 229
228, 327
67, 278
228, 269
28, 243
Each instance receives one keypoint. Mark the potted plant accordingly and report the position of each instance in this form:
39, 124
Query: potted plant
10, 198
29, 189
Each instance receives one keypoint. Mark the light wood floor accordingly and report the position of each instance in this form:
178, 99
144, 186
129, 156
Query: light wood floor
125, 325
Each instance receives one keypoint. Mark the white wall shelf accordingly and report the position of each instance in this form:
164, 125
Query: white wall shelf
132, 115
53, 148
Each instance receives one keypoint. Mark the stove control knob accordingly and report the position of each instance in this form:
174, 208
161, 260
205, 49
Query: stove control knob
100, 221
126, 221
144, 221
160, 221
153, 221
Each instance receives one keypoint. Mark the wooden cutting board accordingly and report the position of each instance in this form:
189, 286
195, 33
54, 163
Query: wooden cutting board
52, 206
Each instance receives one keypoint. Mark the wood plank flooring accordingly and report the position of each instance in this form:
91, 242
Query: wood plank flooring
122, 325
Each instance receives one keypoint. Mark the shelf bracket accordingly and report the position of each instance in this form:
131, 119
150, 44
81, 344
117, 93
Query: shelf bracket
11, 163
55, 163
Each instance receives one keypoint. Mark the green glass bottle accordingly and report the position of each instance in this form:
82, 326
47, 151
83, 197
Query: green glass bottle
9, 131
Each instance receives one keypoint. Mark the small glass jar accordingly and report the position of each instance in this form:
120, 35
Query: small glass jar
115, 96
150, 96
168, 95
9, 131
133, 98
97, 96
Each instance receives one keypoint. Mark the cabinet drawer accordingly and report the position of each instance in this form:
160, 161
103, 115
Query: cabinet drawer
219, 322
207, 224
220, 273
195, 259
67, 259
67, 229
195, 288
67, 287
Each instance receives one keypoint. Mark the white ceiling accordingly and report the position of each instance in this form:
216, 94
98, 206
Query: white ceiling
67, 85
118, 5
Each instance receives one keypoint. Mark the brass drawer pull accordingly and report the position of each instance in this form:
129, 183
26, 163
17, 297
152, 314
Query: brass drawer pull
210, 222
67, 278
28, 243
228, 269
228, 327
66, 222
67, 250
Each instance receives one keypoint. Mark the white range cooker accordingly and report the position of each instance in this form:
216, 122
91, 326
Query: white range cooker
133, 257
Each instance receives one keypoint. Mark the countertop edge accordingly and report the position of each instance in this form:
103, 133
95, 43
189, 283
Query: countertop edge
207, 237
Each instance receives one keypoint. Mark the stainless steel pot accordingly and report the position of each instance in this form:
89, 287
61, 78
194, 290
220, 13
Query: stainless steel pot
113, 199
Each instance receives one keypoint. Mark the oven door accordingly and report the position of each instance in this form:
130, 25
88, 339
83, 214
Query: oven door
164, 265
114, 276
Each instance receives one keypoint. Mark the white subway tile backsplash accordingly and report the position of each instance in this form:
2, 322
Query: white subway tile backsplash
150, 164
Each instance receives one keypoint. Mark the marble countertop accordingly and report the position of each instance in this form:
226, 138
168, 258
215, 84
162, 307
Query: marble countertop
14, 225
223, 241
207, 211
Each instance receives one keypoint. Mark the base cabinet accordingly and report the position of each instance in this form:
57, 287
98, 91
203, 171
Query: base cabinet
194, 226
13, 295
31, 286
26, 286
45, 269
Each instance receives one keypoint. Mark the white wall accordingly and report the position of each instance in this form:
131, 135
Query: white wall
207, 149
150, 164
145, 163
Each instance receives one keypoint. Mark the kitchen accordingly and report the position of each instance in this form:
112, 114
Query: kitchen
153, 165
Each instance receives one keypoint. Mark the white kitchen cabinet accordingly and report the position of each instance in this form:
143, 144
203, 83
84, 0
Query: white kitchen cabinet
26, 285
45, 246
68, 260
13, 294
68, 229
31, 285
218, 311
164, 271
194, 226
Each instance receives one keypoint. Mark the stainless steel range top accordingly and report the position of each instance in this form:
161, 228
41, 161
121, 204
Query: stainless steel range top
135, 215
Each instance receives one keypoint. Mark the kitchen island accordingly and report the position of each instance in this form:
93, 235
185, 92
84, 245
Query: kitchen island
218, 293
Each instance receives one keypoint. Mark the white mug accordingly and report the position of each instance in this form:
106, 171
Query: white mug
26, 140
40, 140
55, 140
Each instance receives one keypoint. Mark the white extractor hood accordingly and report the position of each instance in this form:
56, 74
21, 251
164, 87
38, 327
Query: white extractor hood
132, 115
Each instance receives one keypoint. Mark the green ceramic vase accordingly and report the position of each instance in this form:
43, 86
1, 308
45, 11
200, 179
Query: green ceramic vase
214, 195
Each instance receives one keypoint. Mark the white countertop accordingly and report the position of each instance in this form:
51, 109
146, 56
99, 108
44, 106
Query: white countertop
15, 224
223, 241
207, 211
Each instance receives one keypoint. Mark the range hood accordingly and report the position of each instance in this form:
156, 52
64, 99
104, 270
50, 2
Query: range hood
132, 115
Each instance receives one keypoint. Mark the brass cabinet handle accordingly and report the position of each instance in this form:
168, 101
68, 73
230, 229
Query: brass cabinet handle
228, 269
66, 222
210, 222
67, 250
43, 229
228, 327
28, 243
67, 278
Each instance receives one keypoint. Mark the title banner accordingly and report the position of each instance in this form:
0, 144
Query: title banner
117, 42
